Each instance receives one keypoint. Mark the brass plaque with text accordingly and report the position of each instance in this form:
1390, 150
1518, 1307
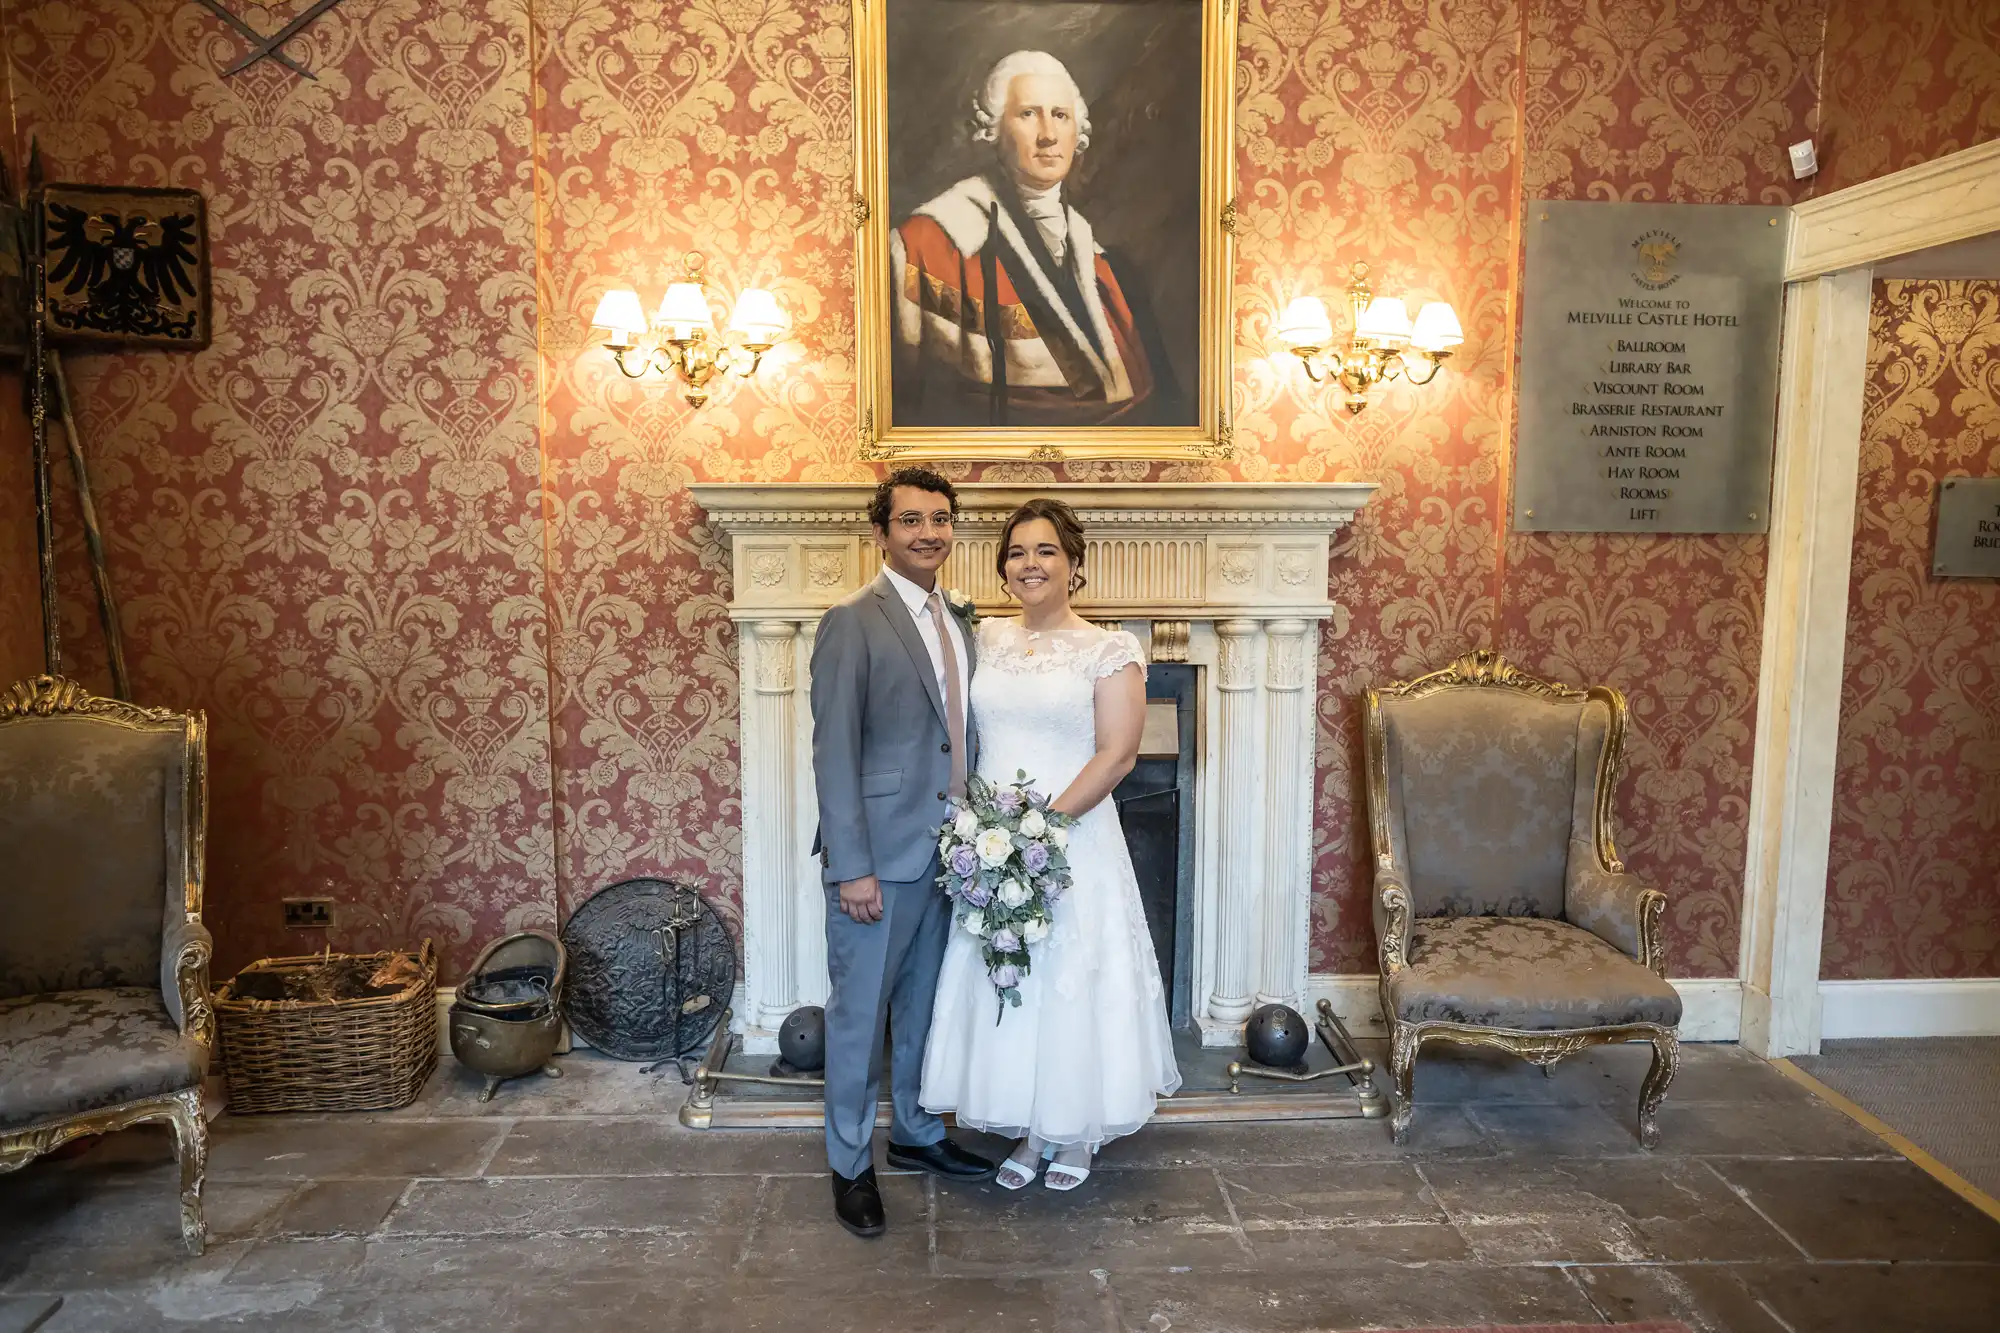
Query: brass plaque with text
1649, 367
1968, 529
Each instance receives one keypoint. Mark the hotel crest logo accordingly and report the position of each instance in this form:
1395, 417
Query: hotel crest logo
1657, 252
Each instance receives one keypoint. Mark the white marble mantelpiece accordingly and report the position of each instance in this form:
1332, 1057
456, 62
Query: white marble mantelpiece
1229, 577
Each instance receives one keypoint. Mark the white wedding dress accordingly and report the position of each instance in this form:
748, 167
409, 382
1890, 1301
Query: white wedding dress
1084, 1057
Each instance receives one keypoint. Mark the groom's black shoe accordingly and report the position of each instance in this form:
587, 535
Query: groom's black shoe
944, 1159
858, 1204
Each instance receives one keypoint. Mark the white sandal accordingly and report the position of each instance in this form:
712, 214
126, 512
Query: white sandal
1062, 1177
1014, 1175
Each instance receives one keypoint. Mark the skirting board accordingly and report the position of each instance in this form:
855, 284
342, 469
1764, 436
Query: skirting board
1711, 1007
1910, 1007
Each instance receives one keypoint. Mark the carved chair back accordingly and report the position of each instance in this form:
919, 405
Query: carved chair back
101, 820
1483, 781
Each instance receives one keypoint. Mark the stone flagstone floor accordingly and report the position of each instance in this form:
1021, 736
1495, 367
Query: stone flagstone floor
581, 1204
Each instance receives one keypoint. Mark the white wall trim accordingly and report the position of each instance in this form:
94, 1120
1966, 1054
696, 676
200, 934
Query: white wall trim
1816, 471
1911, 1007
1711, 1006
1834, 242
1934, 203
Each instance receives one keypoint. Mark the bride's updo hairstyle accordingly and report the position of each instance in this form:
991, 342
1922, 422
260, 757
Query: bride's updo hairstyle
1069, 534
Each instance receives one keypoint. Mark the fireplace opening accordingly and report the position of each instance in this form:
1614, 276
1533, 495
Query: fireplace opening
1156, 807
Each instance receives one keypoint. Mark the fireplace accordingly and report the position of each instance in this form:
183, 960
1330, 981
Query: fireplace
1225, 584
1156, 805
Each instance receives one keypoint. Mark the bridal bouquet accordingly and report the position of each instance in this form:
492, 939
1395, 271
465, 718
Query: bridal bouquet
1005, 868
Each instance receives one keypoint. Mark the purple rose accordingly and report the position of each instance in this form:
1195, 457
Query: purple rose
1005, 977
1006, 941
1008, 801
977, 894
964, 861
1035, 857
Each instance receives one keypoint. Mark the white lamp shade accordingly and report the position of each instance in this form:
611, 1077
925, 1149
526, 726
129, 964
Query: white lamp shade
1386, 320
757, 317
684, 310
1305, 323
1437, 328
620, 312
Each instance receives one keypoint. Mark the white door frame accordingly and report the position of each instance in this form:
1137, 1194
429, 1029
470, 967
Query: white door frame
1834, 245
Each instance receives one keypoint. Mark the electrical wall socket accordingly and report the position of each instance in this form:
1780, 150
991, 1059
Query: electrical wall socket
309, 913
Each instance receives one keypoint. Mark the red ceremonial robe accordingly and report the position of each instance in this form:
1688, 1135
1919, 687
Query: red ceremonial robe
1072, 350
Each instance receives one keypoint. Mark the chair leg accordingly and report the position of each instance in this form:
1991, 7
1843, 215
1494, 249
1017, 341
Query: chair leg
1666, 1062
191, 1146
1403, 1069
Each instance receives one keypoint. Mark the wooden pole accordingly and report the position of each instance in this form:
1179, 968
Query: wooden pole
38, 416
93, 537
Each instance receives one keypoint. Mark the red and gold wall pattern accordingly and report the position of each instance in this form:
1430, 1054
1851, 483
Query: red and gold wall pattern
1905, 83
1913, 884
431, 563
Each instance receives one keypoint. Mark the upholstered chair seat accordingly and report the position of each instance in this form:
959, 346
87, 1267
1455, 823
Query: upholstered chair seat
105, 1017
1503, 916
68, 1052
1524, 973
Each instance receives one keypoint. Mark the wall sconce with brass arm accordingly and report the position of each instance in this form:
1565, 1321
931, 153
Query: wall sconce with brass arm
1375, 352
681, 339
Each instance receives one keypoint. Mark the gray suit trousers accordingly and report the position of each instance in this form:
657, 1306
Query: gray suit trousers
884, 971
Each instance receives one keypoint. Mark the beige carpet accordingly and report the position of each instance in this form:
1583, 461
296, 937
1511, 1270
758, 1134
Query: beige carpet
1941, 1093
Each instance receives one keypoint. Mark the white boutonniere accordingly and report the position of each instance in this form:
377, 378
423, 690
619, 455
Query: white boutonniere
961, 605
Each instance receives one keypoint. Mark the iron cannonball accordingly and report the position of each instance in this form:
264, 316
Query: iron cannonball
802, 1039
1277, 1036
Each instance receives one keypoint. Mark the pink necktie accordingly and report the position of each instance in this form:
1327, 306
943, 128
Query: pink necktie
954, 703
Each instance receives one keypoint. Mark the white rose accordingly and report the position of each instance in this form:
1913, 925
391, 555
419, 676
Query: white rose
1033, 824
966, 825
944, 844
994, 846
1035, 931
975, 923
1013, 892
1060, 837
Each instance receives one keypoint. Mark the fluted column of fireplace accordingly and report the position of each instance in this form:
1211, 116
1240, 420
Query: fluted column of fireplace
770, 761
1240, 829
1289, 659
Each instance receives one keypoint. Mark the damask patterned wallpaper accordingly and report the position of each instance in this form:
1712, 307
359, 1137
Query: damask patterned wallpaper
1905, 83
1913, 883
432, 566
20, 597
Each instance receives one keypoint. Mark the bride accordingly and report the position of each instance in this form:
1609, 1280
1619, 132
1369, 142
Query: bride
1083, 1057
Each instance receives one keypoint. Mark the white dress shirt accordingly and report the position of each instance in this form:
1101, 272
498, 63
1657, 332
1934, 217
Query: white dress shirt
1051, 219
918, 601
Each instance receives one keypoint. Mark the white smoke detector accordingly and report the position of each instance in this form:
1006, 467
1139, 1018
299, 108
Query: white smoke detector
1804, 161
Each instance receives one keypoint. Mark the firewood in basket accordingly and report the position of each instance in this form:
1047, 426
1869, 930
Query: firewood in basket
398, 971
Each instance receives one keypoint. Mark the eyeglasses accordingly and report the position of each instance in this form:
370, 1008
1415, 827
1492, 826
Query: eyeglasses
915, 522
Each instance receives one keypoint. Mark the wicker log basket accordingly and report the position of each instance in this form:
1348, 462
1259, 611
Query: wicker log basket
369, 1053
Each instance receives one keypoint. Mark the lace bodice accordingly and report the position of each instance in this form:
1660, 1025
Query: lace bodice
1034, 698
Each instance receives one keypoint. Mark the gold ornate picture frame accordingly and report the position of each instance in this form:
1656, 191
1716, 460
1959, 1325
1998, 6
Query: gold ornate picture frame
1047, 151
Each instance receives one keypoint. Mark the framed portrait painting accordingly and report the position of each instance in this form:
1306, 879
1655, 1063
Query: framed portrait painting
1043, 215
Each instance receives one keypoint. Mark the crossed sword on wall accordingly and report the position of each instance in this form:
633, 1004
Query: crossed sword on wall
263, 47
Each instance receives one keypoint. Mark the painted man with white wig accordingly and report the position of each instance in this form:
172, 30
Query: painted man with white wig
1007, 311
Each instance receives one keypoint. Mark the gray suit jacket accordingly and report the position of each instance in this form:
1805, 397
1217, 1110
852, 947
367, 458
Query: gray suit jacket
881, 757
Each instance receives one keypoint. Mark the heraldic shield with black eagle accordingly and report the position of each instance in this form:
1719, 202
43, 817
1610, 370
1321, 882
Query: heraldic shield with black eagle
126, 266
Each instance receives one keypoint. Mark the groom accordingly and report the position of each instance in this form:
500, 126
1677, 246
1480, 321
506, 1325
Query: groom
891, 673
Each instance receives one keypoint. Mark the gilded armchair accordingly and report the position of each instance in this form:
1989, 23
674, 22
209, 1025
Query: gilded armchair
105, 1019
1503, 916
